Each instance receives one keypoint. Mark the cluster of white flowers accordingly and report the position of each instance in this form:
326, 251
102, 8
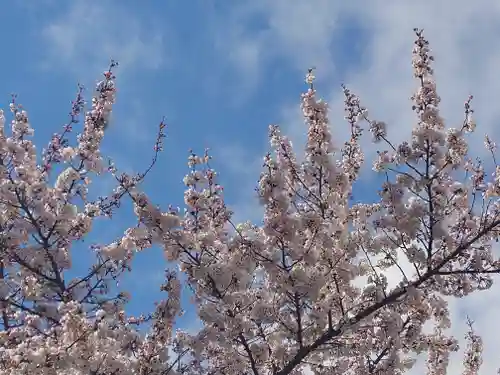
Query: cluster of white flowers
279, 298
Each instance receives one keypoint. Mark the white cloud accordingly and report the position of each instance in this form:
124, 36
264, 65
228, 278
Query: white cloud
463, 36
257, 32
88, 34
461, 33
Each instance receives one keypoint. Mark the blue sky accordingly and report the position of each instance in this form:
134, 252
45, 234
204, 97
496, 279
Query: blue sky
222, 71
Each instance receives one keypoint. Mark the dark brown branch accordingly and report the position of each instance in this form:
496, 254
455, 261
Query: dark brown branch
253, 364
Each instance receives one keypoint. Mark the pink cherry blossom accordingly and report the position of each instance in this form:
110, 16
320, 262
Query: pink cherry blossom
305, 291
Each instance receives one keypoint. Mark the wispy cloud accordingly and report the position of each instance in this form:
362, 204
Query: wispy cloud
253, 34
84, 35
304, 34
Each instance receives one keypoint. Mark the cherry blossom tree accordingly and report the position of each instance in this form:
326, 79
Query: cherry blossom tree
305, 291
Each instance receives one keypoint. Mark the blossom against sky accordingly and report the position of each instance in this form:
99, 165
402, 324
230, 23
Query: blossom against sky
221, 72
